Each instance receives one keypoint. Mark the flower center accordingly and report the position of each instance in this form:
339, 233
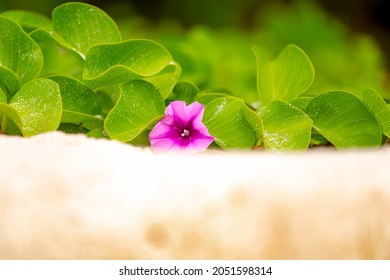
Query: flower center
185, 133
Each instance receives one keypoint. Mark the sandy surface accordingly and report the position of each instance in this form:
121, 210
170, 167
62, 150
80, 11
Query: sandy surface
70, 197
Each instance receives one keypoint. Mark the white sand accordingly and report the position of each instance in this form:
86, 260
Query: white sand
70, 197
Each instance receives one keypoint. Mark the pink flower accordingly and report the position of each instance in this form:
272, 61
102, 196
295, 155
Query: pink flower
181, 129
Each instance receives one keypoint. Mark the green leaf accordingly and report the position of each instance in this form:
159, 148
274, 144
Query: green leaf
8, 114
139, 107
108, 64
59, 55
185, 91
83, 25
38, 104
3, 96
166, 79
77, 97
109, 96
226, 120
9, 82
285, 78
46, 37
28, 20
205, 97
344, 120
79, 103
142, 139
57, 61
301, 102
49, 37
286, 128
255, 122
18, 52
378, 108
80, 118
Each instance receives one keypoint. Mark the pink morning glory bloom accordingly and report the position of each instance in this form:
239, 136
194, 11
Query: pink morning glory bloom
181, 129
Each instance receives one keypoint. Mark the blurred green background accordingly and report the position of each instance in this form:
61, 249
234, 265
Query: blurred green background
369, 16
348, 41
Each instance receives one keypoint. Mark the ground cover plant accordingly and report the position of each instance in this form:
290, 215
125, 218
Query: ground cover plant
76, 73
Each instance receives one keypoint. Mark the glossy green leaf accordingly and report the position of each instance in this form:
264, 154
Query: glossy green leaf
79, 103
47, 37
38, 104
301, 102
256, 124
9, 82
8, 114
207, 97
185, 91
344, 120
226, 120
59, 55
83, 25
139, 107
286, 128
286, 77
109, 96
108, 64
142, 139
57, 61
78, 97
3, 96
28, 20
378, 108
80, 118
166, 79
18, 52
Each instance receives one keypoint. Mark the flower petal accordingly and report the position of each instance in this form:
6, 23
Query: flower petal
162, 130
180, 145
177, 110
162, 144
201, 138
167, 135
190, 146
201, 144
194, 112
200, 128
